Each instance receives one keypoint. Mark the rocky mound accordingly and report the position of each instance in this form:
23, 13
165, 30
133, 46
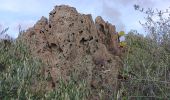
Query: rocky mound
70, 43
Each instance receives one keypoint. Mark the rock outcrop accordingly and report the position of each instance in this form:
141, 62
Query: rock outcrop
70, 43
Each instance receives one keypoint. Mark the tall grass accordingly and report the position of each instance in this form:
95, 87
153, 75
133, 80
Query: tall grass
21, 77
146, 66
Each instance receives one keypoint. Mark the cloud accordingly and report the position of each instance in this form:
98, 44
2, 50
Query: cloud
24, 6
143, 3
0, 27
122, 14
24, 24
117, 12
14, 27
113, 15
22, 12
7, 5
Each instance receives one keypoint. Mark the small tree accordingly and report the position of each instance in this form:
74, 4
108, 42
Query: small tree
157, 25
146, 62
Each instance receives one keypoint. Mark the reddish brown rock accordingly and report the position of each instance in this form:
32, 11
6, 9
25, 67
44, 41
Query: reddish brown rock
71, 43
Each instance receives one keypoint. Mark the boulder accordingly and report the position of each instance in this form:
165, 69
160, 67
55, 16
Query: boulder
70, 43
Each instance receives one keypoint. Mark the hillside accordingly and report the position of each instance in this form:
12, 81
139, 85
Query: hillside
72, 44
71, 57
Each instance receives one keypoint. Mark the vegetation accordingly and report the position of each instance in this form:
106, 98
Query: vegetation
21, 78
146, 68
146, 62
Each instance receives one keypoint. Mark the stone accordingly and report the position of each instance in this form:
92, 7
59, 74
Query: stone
72, 43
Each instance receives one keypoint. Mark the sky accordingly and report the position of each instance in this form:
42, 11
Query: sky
120, 13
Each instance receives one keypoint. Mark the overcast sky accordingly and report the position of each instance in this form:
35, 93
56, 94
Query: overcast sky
118, 12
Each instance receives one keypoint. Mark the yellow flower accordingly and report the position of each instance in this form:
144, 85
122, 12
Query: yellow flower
122, 44
121, 33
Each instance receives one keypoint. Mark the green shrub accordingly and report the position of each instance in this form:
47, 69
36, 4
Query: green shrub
146, 63
21, 78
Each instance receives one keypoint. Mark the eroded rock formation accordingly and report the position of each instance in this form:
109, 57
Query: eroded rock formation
71, 43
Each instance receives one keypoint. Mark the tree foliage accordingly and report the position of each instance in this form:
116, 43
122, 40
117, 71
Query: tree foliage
146, 62
157, 25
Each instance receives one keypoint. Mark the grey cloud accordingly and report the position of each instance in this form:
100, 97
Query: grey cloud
143, 3
111, 11
0, 27
113, 15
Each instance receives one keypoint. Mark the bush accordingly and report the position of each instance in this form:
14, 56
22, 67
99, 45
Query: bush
146, 61
146, 64
21, 77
